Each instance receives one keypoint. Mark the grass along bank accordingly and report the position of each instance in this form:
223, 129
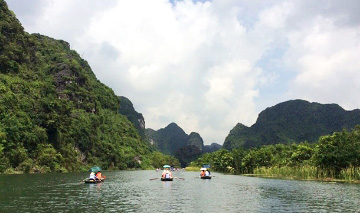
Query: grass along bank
192, 168
350, 175
333, 157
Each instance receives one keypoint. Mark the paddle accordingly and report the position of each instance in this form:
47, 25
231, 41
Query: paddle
179, 178
212, 176
154, 178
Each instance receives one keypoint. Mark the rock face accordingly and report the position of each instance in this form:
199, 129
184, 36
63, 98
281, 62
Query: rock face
194, 139
172, 140
137, 119
292, 121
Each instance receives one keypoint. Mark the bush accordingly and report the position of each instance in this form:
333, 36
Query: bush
49, 158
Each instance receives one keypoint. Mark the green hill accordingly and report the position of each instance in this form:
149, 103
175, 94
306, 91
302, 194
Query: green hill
292, 121
137, 119
169, 139
54, 114
172, 140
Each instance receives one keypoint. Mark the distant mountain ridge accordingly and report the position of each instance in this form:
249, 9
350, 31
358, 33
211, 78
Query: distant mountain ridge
292, 121
168, 139
172, 140
212, 147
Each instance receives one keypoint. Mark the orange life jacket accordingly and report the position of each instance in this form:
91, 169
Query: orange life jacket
98, 175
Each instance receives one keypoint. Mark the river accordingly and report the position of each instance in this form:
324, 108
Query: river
133, 191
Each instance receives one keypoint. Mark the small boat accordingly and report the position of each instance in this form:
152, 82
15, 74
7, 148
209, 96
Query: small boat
166, 179
205, 173
87, 180
166, 176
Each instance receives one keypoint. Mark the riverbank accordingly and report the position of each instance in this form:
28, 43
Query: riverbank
12, 171
306, 173
349, 175
192, 168
329, 180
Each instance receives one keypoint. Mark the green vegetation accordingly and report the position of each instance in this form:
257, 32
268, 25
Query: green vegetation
158, 160
292, 121
137, 119
333, 157
55, 116
351, 174
187, 154
191, 168
169, 139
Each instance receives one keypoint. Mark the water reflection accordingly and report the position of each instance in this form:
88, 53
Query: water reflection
166, 184
96, 186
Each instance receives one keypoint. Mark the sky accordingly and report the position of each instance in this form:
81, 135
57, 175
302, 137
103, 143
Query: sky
208, 65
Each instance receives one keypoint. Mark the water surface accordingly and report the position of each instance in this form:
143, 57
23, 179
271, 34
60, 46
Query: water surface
132, 191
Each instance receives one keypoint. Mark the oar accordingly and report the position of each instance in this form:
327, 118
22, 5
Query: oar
179, 178
154, 178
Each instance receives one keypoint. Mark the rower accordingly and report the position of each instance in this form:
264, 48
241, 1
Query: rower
203, 173
166, 173
92, 176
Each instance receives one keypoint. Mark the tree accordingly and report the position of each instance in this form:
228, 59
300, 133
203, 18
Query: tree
338, 151
222, 160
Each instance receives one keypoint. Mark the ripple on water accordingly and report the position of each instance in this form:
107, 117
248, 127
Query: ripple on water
132, 191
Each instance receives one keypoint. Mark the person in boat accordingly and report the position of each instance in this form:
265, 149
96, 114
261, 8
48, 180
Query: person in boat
207, 173
98, 176
202, 174
166, 174
92, 176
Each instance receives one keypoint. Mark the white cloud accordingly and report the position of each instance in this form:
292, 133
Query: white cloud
326, 58
198, 63
275, 17
184, 56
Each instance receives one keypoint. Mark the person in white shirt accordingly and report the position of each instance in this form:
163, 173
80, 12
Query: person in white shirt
92, 176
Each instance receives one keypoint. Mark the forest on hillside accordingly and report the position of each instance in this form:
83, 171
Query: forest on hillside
292, 121
335, 156
55, 115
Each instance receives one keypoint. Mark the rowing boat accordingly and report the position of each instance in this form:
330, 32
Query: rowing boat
166, 179
94, 181
205, 177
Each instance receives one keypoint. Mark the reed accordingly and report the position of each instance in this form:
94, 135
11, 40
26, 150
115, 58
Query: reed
351, 174
307, 172
192, 168
303, 172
